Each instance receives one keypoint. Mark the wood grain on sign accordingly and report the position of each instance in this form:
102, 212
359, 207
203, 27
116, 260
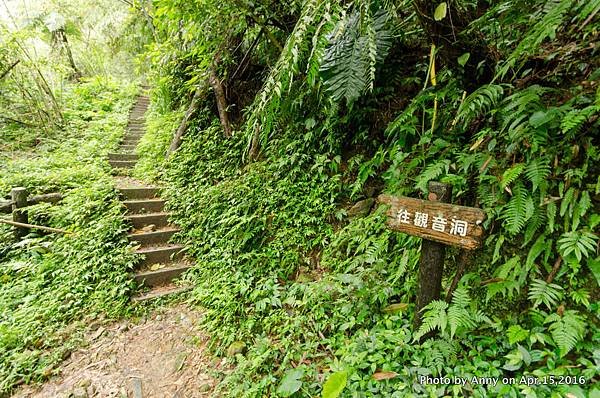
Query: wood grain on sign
456, 225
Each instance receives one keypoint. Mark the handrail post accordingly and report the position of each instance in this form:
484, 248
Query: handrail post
19, 199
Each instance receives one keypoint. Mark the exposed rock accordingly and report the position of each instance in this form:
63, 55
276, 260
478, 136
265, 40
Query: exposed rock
361, 208
237, 347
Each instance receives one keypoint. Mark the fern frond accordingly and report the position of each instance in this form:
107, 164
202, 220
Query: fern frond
535, 222
551, 210
434, 317
267, 102
579, 243
547, 293
566, 330
537, 170
545, 28
511, 174
573, 121
581, 208
588, 8
357, 44
459, 317
478, 103
518, 210
432, 172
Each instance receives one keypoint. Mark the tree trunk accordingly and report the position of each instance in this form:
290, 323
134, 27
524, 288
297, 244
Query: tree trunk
216, 85
431, 263
445, 35
184, 123
65, 43
148, 18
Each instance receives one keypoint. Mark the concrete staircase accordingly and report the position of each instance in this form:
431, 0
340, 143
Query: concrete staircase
162, 262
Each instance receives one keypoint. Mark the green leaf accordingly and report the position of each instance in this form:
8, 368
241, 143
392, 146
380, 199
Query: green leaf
463, 59
440, 11
291, 382
335, 384
594, 265
516, 334
394, 308
540, 118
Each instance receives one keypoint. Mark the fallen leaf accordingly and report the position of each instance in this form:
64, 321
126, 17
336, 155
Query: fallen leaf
384, 375
393, 308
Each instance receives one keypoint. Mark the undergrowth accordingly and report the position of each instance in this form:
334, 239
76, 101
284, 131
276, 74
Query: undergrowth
52, 285
300, 298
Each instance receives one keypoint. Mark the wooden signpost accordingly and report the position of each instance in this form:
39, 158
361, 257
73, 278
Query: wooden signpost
439, 224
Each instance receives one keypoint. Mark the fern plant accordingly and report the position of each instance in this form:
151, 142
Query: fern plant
518, 210
450, 318
358, 43
554, 15
567, 330
543, 292
580, 244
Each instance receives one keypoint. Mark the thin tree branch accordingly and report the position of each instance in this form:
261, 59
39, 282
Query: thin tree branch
9, 69
31, 226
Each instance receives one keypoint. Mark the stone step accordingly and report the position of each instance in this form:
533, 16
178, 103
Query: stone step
132, 137
159, 220
161, 276
154, 237
122, 156
144, 192
161, 291
127, 147
130, 142
124, 164
160, 255
145, 205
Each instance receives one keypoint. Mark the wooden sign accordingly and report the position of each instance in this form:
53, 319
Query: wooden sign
441, 222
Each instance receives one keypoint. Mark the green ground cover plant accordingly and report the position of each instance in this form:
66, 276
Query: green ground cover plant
341, 101
53, 285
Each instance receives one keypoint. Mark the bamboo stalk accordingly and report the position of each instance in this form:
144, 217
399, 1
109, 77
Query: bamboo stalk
31, 226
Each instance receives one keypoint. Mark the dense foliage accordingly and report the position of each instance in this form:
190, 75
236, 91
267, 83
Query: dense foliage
334, 102
52, 285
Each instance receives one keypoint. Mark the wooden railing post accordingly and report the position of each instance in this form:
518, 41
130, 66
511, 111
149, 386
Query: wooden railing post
19, 199
431, 263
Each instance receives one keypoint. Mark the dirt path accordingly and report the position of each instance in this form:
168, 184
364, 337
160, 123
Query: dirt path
164, 354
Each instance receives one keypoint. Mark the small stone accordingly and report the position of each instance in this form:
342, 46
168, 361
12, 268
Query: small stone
85, 383
361, 208
149, 228
98, 333
79, 392
237, 347
205, 387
